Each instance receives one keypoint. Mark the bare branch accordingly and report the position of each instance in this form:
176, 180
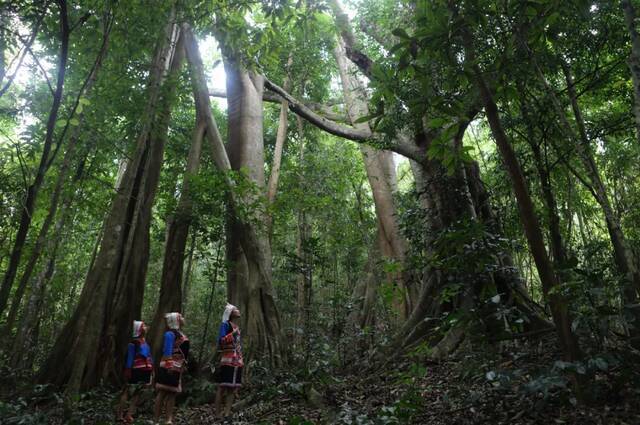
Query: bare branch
305, 112
358, 135
27, 48
323, 109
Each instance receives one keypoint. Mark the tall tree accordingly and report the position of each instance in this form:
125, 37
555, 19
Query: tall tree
33, 190
63, 172
248, 247
382, 179
99, 329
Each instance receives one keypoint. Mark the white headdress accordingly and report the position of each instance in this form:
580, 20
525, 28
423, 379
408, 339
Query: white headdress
173, 320
137, 328
228, 309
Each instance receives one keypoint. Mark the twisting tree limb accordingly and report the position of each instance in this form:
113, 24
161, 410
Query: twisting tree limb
324, 109
344, 131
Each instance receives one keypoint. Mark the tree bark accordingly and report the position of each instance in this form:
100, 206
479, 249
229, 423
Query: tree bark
246, 154
34, 188
250, 247
92, 345
448, 205
634, 59
186, 289
551, 206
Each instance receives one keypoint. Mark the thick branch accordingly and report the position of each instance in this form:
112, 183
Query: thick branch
357, 135
305, 112
324, 109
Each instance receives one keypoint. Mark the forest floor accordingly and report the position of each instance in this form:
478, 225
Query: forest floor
522, 385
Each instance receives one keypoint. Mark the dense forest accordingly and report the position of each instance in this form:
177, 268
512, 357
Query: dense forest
424, 211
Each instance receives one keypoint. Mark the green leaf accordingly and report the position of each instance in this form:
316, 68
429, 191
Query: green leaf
400, 32
74, 122
84, 101
61, 123
436, 122
366, 118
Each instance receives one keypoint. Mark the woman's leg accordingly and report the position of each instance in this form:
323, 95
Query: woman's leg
219, 397
157, 408
123, 402
133, 404
228, 401
170, 404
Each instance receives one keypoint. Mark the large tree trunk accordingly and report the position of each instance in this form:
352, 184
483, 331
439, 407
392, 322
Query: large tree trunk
533, 232
634, 59
381, 173
92, 345
245, 284
177, 232
448, 206
250, 270
34, 189
63, 173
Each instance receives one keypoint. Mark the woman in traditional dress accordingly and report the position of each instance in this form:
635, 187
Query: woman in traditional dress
231, 362
138, 372
175, 350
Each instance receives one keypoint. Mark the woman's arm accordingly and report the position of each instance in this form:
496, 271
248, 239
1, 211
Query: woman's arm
226, 334
167, 347
131, 354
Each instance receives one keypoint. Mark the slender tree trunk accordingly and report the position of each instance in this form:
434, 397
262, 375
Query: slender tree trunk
214, 282
34, 188
382, 178
3, 44
63, 173
250, 250
551, 206
281, 136
559, 305
634, 58
178, 230
622, 253
92, 345
25, 337
303, 281
186, 289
